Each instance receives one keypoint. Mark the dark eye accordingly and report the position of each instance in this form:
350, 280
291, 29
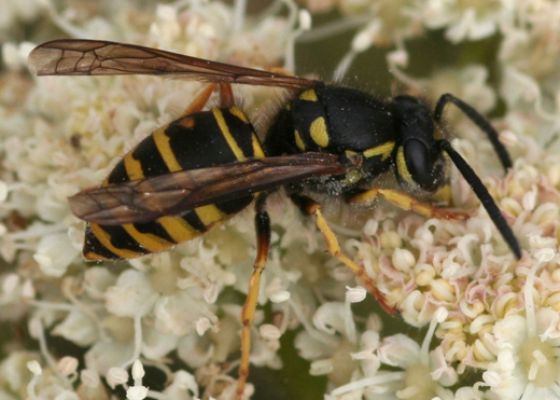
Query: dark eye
422, 164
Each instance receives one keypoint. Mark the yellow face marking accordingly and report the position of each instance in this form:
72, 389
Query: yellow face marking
177, 228
164, 148
384, 150
257, 148
402, 167
149, 241
105, 239
443, 194
299, 141
133, 167
239, 114
209, 214
318, 132
309, 95
224, 129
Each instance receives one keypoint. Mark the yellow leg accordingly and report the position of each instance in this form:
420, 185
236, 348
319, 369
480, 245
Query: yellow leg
262, 226
312, 208
226, 98
200, 100
407, 202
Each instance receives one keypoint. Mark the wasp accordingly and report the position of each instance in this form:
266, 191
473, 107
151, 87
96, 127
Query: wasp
208, 165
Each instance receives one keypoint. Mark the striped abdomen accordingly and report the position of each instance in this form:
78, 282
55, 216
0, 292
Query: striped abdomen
203, 139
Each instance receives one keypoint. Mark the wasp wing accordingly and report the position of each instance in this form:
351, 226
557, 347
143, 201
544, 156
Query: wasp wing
99, 57
176, 193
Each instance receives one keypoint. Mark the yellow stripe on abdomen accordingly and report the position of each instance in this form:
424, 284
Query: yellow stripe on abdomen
149, 241
178, 228
209, 214
105, 240
230, 140
164, 148
133, 167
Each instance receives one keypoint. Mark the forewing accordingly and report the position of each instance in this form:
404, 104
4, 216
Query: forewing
176, 193
98, 57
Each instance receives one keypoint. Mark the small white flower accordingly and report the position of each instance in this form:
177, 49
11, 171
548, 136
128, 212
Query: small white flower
183, 382
356, 294
138, 371
54, 254
269, 332
321, 367
34, 367
131, 296
137, 393
528, 364
425, 374
90, 378
67, 365
116, 376
77, 328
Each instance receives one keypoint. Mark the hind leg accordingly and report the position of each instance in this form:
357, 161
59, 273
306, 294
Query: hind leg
262, 227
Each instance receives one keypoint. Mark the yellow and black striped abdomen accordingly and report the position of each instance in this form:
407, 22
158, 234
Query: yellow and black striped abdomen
203, 139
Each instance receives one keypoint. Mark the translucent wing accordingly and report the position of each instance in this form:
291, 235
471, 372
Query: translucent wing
98, 57
175, 193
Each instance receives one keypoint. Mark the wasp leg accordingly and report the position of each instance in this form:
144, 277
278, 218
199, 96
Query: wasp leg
407, 202
226, 98
262, 227
200, 100
310, 207
479, 121
226, 95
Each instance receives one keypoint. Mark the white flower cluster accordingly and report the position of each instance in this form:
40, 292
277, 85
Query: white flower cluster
493, 323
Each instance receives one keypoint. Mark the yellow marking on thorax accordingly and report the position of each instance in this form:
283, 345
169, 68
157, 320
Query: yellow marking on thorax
149, 241
309, 95
224, 129
300, 144
164, 147
239, 114
384, 150
402, 167
105, 239
209, 214
318, 132
177, 228
133, 167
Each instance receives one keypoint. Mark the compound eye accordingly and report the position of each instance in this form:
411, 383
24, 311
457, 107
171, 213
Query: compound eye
420, 163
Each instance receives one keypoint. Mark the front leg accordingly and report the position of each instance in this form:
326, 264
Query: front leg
407, 202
